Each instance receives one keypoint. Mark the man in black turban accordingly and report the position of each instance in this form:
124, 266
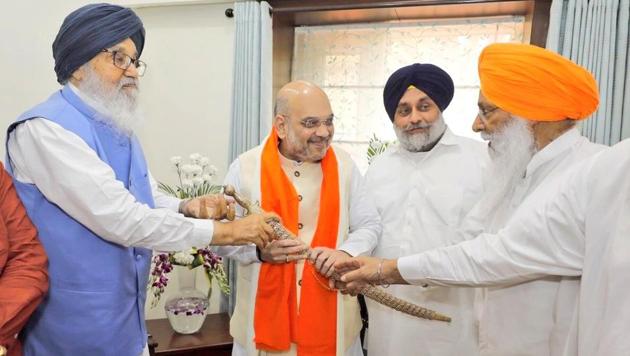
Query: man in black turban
82, 176
422, 189
426, 88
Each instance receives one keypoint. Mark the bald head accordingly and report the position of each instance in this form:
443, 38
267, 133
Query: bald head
294, 94
304, 121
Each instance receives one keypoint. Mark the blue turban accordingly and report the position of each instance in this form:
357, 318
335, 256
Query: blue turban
90, 29
431, 79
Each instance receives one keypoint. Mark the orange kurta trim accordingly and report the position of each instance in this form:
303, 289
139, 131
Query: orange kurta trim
276, 320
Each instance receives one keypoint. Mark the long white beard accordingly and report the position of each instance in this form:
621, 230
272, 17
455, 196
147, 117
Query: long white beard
420, 141
118, 107
511, 150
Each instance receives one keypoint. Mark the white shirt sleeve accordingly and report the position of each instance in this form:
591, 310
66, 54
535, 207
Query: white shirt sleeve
71, 175
161, 199
365, 222
245, 254
545, 238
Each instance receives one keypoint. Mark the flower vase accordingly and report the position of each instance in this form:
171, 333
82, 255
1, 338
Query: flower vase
186, 310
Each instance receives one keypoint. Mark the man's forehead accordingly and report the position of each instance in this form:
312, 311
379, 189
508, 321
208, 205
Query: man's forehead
310, 107
127, 47
413, 95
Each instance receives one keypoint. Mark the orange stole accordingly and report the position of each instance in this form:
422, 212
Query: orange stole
276, 320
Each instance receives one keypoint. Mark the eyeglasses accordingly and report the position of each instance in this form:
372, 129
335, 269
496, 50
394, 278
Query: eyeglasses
485, 114
123, 61
312, 123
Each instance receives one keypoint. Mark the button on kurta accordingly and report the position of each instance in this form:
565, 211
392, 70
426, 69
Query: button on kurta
299, 198
296, 173
300, 226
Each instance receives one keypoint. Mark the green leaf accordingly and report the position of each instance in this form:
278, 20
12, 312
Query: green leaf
167, 189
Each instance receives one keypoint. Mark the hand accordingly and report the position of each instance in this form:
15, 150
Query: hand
284, 251
360, 271
250, 229
210, 206
324, 258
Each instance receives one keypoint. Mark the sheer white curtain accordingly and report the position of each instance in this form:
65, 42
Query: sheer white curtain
352, 63
594, 33
251, 94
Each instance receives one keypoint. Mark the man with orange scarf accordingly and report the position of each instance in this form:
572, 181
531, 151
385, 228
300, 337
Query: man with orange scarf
283, 306
529, 101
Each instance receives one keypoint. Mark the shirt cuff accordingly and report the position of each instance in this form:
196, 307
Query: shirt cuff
412, 269
354, 248
168, 202
202, 233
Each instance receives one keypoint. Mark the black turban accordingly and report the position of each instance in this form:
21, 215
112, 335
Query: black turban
90, 29
431, 79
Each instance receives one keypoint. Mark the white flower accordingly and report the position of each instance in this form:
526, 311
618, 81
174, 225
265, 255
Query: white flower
207, 178
195, 158
187, 169
196, 170
212, 170
204, 161
183, 258
197, 181
187, 183
176, 160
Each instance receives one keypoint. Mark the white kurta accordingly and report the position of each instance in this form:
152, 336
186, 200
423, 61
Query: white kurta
362, 220
509, 322
70, 174
583, 229
422, 198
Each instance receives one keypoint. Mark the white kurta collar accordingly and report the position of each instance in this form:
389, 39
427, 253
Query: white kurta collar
553, 149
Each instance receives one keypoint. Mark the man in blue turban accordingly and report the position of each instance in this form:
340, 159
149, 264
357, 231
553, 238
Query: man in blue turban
81, 174
422, 189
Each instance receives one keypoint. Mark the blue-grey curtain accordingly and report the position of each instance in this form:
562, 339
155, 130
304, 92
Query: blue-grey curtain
251, 93
594, 33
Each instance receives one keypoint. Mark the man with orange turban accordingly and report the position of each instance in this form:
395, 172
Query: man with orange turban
529, 102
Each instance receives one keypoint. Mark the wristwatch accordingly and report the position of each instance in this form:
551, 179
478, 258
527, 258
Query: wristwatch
3, 351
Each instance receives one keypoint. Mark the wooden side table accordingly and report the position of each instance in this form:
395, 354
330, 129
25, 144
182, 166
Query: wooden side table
212, 340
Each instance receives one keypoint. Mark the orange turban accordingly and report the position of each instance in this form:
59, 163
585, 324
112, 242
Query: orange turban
535, 83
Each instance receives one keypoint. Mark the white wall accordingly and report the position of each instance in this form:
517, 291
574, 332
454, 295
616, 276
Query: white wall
29, 28
186, 91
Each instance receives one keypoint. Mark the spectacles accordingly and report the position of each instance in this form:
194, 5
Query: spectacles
312, 123
124, 61
485, 114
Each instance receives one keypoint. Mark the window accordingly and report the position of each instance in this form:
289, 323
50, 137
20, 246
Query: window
352, 63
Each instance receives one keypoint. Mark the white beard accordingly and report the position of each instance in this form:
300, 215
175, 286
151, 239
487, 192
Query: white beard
511, 151
118, 107
420, 141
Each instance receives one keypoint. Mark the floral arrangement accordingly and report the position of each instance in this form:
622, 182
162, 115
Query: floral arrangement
195, 179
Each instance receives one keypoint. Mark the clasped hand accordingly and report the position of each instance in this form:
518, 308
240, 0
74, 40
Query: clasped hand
284, 251
358, 272
210, 206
